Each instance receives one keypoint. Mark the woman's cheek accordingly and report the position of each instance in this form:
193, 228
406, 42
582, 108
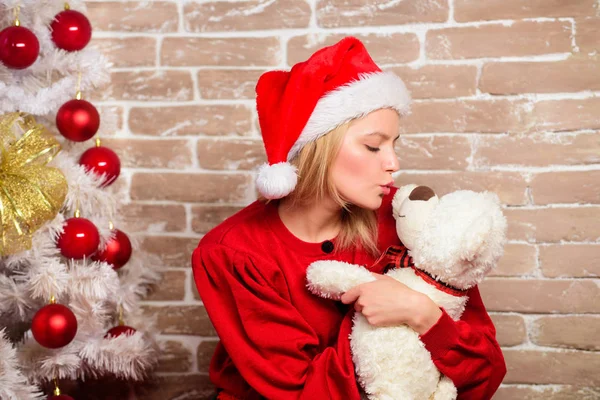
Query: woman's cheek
353, 172
354, 164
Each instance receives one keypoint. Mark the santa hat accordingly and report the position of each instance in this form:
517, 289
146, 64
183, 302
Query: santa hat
335, 85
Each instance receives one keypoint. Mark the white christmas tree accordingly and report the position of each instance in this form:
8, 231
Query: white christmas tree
70, 281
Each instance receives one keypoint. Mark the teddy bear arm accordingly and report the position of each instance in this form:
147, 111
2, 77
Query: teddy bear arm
445, 390
330, 279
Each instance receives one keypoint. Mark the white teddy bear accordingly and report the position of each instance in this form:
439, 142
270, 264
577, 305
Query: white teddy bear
454, 242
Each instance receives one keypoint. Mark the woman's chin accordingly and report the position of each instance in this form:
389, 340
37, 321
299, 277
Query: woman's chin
371, 203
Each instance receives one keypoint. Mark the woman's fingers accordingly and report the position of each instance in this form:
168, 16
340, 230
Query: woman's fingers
357, 306
351, 295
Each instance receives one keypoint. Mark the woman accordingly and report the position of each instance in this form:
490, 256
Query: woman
329, 127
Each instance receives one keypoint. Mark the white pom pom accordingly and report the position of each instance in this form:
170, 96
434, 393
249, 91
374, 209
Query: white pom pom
277, 180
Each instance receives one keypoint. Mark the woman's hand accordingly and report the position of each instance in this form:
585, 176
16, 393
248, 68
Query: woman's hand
386, 302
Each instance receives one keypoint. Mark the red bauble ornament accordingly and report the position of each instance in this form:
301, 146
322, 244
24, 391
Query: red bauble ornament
71, 30
19, 47
77, 120
54, 326
61, 397
119, 330
117, 251
79, 239
102, 160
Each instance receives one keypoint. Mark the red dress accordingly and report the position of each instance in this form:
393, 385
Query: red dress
279, 341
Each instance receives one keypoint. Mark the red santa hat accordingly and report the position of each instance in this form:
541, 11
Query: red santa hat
335, 85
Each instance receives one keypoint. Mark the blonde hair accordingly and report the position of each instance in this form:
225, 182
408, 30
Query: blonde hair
314, 162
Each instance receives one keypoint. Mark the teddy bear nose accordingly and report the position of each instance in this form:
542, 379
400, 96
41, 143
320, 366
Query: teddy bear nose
423, 193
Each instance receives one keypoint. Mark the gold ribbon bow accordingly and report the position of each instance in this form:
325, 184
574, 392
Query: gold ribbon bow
31, 193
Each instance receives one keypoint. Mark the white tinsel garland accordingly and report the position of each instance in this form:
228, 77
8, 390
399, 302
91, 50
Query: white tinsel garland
13, 384
37, 90
92, 290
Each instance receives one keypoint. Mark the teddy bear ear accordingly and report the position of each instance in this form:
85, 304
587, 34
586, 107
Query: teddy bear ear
401, 194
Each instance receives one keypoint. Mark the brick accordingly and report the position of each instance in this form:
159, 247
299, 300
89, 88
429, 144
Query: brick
566, 187
565, 115
133, 16
173, 251
154, 217
174, 357
170, 288
540, 367
545, 393
384, 49
540, 296
510, 329
572, 75
256, 122
522, 38
195, 291
476, 10
232, 155
518, 259
205, 217
199, 187
580, 332
177, 387
509, 186
245, 16
464, 116
570, 260
228, 84
439, 81
337, 13
550, 149
128, 52
551, 225
181, 320
148, 86
587, 35
144, 153
190, 120
193, 51
433, 152
206, 349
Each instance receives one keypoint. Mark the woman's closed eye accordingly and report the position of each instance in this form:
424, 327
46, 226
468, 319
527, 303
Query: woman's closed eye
373, 149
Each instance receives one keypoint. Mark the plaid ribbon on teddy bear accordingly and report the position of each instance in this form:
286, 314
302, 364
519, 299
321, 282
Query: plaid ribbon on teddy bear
398, 257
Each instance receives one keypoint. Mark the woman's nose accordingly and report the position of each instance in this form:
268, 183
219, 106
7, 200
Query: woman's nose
391, 163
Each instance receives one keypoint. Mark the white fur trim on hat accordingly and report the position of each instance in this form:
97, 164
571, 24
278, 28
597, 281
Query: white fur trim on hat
355, 99
277, 180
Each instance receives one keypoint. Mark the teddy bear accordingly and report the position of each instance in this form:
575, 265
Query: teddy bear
452, 243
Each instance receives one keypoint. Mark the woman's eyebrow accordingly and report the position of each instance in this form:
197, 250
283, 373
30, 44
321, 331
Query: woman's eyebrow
383, 135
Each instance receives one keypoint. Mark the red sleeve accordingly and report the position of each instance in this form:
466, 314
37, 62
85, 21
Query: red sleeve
273, 347
466, 351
